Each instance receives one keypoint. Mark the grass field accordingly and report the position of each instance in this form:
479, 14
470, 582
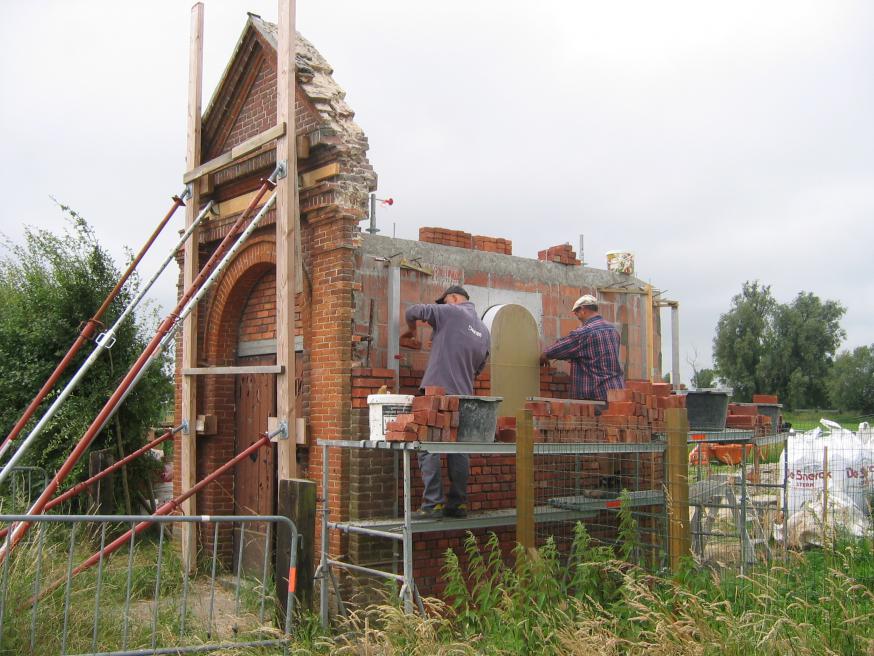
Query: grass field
809, 419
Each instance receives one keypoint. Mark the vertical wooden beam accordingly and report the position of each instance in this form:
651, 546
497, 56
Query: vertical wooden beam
525, 479
650, 337
191, 267
287, 226
677, 483
297, 501
675, 344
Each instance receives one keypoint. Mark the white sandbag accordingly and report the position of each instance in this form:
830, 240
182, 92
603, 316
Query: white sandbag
833, 461
806, 528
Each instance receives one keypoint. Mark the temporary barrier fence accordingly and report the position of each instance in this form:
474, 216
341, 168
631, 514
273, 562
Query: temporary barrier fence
146, 602
217, 262
22, 486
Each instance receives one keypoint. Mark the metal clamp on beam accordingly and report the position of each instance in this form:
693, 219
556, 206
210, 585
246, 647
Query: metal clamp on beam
105, 337
184, 426
278, 433
281, 170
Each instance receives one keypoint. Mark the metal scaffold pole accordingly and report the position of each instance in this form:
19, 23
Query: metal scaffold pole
88, 330
229, 246
104, 342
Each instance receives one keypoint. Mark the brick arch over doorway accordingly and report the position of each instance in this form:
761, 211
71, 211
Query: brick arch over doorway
223, 321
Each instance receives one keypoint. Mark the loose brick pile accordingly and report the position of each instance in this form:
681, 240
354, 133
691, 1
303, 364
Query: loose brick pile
434, 419
446, 237
742, 415
461, 239
632, 415
492, 245
562, 254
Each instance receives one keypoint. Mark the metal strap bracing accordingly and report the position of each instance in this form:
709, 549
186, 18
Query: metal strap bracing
217, 262
90, 326
103, 342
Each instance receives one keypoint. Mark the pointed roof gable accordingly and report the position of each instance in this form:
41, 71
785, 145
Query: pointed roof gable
326, 99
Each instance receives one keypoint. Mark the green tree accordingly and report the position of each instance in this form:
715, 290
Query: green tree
703, 378
851, 380
49, 284
806, 334
742, 337
785, 349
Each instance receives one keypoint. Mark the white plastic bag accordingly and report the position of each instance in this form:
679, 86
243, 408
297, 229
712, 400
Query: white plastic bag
830, 463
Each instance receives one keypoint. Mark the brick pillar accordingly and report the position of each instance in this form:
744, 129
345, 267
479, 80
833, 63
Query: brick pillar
331, 271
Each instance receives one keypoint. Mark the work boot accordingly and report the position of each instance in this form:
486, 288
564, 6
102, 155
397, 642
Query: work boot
456, 511
434, 513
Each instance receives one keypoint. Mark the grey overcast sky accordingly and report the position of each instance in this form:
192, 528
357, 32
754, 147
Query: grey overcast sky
719, 142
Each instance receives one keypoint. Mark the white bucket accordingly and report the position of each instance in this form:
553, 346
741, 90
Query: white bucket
384, 408
620, 262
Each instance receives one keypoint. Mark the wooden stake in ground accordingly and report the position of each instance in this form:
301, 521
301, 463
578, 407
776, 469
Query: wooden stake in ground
525, 479
677, 471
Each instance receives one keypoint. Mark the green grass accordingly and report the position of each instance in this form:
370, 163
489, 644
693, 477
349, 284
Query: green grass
113, 588
818, 602
809, 419
589, 601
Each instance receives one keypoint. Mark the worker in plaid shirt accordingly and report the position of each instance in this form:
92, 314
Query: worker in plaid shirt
593, 351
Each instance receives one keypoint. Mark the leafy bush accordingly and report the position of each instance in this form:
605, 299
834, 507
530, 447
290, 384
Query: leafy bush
49, 285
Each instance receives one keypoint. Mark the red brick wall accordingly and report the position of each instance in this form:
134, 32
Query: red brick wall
626, 311
259, 316
253, 109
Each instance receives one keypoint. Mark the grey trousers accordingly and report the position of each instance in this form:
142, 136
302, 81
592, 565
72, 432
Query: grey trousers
458, 465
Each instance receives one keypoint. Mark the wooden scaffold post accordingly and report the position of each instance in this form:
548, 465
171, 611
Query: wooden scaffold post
191, 266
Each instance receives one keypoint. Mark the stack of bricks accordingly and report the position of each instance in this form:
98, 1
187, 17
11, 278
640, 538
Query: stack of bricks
446, 237
640, 404
367, 381
746, 416
434, 419
461, 239
632, 415
562, 254
561, 421
505, 430
492, 245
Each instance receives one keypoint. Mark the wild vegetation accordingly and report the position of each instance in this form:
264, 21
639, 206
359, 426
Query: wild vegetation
817, 602
49, 285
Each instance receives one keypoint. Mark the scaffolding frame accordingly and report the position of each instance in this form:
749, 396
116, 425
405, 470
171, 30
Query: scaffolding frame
402, 529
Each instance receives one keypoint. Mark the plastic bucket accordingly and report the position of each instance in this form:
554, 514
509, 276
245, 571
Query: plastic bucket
620, 262
384, 408
478, 418
707, 410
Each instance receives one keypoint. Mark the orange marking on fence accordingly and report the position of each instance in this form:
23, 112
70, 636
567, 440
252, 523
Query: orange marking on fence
292, 579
